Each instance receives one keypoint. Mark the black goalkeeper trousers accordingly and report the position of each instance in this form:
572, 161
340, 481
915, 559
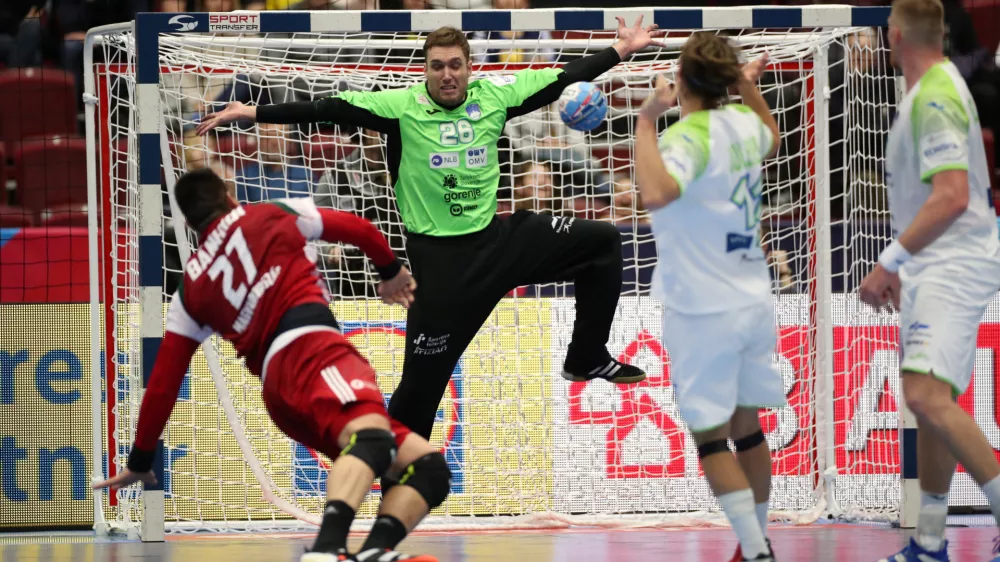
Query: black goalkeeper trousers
461, 279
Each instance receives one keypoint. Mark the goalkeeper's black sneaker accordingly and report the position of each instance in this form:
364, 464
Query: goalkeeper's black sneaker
386, 555
608, 369
340, 555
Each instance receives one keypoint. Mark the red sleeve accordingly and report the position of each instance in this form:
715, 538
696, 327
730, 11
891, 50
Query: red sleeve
356, 231
161, 393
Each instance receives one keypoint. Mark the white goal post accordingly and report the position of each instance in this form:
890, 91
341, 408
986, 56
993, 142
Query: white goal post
527, 448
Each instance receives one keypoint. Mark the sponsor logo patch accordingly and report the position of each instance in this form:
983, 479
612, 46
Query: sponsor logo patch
735, 242
444, 160
476, 157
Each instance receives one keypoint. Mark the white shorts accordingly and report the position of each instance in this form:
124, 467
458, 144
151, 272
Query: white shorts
720, 361
939, 321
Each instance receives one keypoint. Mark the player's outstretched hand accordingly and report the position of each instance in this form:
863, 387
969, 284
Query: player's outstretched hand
880, 289
636, 38
126, 478
233, 111
663, 98
753, 70
398, 290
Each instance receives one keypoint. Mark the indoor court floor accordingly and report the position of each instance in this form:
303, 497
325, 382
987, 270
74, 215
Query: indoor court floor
971, 542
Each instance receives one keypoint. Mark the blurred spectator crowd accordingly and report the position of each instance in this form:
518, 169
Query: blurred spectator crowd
546, 167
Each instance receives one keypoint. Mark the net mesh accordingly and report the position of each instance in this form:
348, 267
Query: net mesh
520, 441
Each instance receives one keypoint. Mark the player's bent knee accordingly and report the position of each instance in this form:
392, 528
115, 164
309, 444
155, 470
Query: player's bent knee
429, 476
925, 395
375, 447
608, 236
749, 442
713, 447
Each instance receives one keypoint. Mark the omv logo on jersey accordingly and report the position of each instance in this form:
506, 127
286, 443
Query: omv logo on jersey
476, 157
473, 111
183, 22
444, 160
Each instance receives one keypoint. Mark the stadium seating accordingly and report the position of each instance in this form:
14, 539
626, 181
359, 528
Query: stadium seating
15, 217
51, 171
35, 102
73, 214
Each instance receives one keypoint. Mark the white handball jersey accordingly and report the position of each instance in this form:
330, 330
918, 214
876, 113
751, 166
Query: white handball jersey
937, 129
708, 240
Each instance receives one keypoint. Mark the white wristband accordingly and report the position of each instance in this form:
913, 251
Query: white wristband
894, 256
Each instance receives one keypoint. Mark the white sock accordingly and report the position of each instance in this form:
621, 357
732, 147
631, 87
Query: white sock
931, 521
740, 509
992, 491
762, 517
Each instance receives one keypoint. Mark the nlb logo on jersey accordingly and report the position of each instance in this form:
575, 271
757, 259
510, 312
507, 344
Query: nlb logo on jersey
233, 22
444, 160
476, 157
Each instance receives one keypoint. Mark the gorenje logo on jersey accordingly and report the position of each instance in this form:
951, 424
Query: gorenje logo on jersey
476, 157
206, 252
233, 22
444, 160
184, 22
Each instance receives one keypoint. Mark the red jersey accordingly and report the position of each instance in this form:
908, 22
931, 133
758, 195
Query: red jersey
253, 264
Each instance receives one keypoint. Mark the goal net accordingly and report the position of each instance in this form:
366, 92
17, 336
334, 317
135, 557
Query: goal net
526, 448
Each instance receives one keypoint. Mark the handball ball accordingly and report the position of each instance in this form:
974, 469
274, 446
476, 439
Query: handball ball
582, 106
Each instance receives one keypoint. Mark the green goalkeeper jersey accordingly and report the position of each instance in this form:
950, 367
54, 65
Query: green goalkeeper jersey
448, 171
444, 161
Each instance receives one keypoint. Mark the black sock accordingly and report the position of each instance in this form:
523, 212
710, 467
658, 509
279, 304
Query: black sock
337, 519
387, 532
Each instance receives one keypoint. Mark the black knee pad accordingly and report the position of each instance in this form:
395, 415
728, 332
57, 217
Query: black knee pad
713, 447
749, 442
376, 447
429, 476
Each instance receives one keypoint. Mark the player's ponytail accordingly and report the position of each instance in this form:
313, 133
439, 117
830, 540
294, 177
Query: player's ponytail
709, 66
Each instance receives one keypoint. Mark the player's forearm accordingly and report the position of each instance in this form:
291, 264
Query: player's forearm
590, 67
356, 231
947, 201
297, 112
583, 69
753, 99
158, 402
657, 188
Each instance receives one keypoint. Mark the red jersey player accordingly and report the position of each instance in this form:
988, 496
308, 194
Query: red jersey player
253, 280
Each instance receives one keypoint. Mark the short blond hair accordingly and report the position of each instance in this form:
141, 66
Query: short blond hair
921, 21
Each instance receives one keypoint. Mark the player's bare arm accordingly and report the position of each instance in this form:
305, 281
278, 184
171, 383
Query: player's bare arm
949, 198
657, 188
753, 99
172, 362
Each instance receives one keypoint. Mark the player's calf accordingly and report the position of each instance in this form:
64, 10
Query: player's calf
754, 457
368, 448
733, 491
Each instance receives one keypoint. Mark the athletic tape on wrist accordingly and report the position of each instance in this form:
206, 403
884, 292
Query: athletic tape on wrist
893, 256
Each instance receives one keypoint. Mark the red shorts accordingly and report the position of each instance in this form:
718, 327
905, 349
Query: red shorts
318, 384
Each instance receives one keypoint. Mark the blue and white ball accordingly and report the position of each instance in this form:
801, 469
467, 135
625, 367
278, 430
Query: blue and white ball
582, 106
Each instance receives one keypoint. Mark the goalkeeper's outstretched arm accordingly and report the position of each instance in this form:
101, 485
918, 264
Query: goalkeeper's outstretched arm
630, 40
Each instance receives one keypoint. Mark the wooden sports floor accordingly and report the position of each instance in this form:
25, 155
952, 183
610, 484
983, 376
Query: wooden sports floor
814, 543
